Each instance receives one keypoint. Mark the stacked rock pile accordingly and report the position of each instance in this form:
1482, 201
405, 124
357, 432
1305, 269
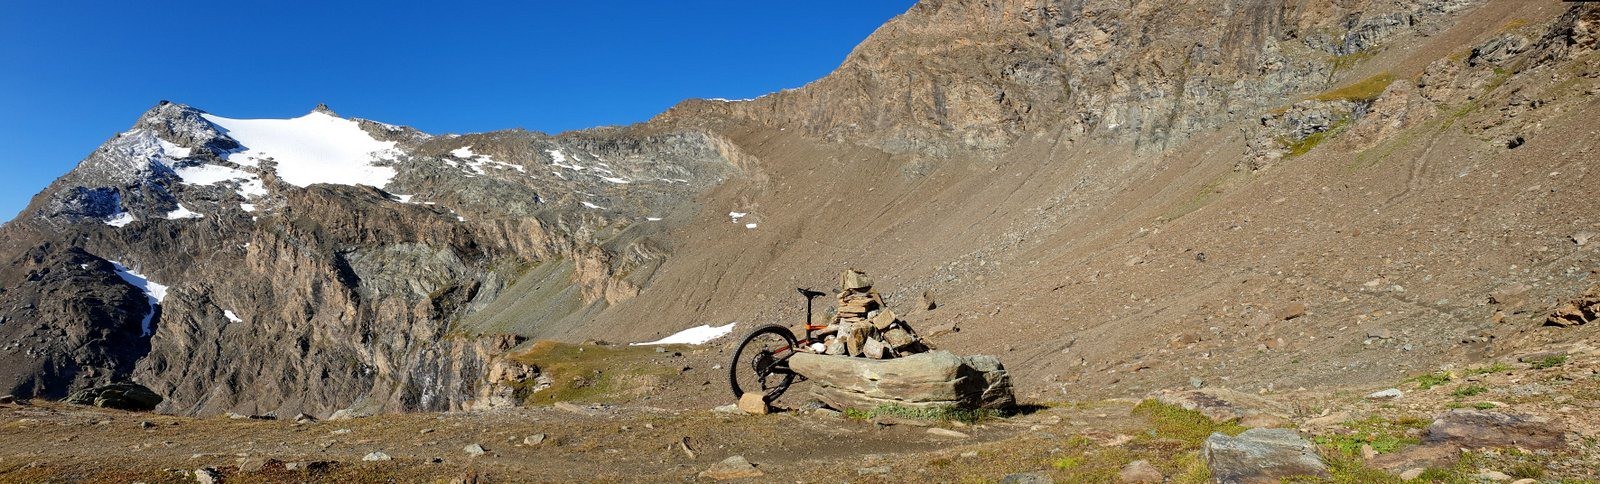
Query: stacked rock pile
864, 327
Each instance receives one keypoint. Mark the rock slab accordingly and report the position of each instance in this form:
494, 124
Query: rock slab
1477, 429
121, 396
1260, 456
735, 467
926, 380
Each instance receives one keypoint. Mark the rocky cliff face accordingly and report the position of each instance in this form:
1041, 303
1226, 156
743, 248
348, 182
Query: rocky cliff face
1003, 154
294, 283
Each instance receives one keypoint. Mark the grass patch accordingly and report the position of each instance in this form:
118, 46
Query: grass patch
1469, 390
1364, 90
1550, 362
942, 414
1497, 367
1188, 426
1383, 435
1483, 405
590, 372
1431, 380
1342, 62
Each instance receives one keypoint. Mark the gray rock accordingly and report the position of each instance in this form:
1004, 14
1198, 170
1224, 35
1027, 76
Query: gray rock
473, 450
874, 471
939, 432
207, 476
1389, 394
376, 456
1036, 477
1261, 455
1221, 404
926, 380
534, 439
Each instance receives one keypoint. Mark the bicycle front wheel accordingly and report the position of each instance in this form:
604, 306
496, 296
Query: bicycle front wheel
760, 364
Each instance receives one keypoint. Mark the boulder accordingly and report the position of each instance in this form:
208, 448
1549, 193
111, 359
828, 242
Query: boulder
926, 380
121, 396
1477, 428
1261, 455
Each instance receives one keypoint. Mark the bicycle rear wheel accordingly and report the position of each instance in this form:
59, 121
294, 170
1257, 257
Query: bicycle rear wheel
760, 364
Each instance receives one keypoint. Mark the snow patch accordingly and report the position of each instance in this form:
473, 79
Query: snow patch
154, 293
231, 317
315, 148
749, 226
120, 219
619, 181
591, 205
182, 212
693, 336
248, 207
653, 219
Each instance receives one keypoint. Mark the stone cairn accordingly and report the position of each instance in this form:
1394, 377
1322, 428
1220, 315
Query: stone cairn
864, 327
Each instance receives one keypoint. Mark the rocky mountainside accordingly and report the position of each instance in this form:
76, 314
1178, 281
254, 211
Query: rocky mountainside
1114, 196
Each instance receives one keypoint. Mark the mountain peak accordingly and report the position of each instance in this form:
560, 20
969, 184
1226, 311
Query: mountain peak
324, 109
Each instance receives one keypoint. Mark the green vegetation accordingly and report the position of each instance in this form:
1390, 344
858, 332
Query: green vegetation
1469, 390
590, 372
1364, 90
1550, 362
1383, 435
942, 414
1483, 405
1497, 367
1347, 61
1431, 380
1186, 426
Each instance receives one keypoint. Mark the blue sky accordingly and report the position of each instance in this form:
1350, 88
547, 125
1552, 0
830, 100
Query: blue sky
73, 73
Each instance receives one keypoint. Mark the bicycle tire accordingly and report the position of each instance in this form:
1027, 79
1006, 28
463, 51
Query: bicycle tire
740, 354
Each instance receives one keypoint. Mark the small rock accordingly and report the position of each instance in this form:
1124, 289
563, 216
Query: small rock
1389, 394
207, 476
1293, 310
534, 439
1492, 475
1196, 382
1140, 471
252, 464
947, 433
345, 414
729, 409
969, 454
473, 450
735, 467
1036, 477
340, 431
376, 456
304, 418
1411, 474
147, 425
1367, 452
753, 403
1582, 238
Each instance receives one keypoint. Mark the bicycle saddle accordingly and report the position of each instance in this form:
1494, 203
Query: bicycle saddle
810, 293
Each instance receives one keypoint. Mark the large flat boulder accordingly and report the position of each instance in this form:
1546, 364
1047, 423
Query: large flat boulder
1261, 456
925, 380
122, 396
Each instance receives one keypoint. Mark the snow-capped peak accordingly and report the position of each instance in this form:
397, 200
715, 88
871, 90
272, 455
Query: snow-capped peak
315, 148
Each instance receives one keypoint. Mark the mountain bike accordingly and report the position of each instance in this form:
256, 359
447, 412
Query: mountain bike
761, 362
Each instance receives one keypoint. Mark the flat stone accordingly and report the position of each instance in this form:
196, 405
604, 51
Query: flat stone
534, 439
207, 476
473, 450
1477, 428
1218, 403
735, 467
376, 456
1265, 420
1412, 473
936, 431
1388, 394
926, 380
1261, 455
874, 471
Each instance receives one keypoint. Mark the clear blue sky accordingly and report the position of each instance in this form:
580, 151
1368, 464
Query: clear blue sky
73, 73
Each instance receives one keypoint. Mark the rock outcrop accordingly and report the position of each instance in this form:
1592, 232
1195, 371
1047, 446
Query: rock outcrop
1261, 456
934, 379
